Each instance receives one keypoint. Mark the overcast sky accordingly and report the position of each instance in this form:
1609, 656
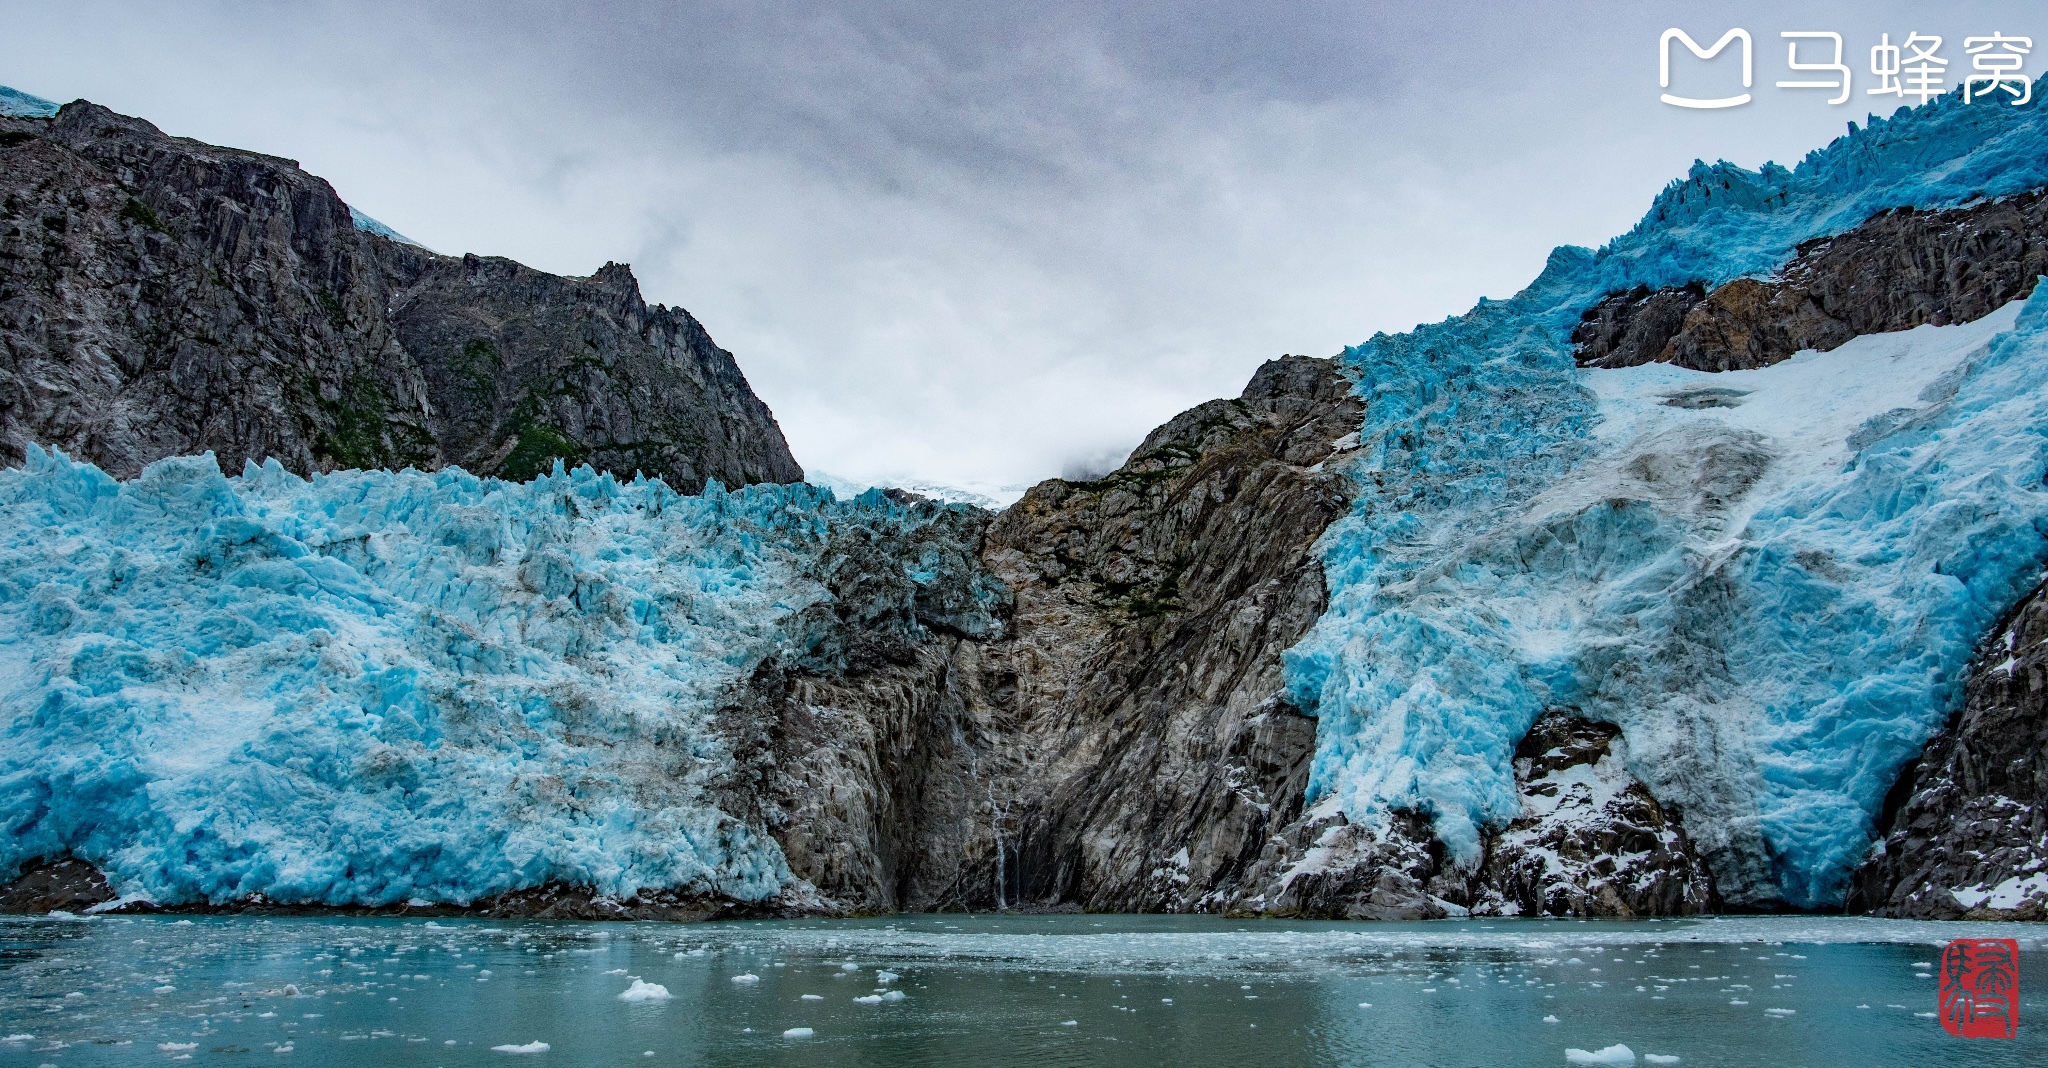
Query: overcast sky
984, 244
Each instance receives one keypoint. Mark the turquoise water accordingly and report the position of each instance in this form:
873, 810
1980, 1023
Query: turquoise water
985, 990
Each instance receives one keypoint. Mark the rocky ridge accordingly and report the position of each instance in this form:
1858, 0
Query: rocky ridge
1896, 271
161, 297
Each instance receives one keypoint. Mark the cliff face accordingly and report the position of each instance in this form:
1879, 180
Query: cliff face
1965, 833
1118, 740
163, 297
522, 367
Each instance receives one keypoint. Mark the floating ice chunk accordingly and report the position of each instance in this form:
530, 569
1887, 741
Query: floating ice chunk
286, 1048
1365, 1004
1070, 1023
1659, 1058
530, 1047
868, 999
749, 977
1615, 1054
19, 1038
616, 971
1781, 1012
849, 966
898, 995
798, 1032
886, 977
812, 997
1550, 1019
642, 990
177, 1047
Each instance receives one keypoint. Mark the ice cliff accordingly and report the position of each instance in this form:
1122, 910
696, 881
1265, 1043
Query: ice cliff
376, 686
1771, 580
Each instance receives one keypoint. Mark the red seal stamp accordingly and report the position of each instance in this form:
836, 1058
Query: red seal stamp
1980, 988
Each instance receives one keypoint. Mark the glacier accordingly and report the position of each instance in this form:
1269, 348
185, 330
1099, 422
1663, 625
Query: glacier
1776, 611
369, 687
371, 226
15, 104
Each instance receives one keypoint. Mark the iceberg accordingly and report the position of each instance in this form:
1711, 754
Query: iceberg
369, 687
1774, 598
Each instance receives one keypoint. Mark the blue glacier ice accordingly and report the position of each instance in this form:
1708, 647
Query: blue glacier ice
369, 687
371, 226
15, 104
1775, 634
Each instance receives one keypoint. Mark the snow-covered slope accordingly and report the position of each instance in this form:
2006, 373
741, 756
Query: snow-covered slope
1772, 588
375, 686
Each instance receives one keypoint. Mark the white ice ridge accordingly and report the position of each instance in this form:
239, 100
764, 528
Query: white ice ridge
372, 687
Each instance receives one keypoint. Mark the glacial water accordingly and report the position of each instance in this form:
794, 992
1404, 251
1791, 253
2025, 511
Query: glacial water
989, 990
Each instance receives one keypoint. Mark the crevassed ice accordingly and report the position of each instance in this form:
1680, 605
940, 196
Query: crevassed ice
375, 686
1778, 612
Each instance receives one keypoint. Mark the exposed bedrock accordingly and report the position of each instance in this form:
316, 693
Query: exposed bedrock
1899, 270
1964, 834
1590, 841
162, 297
1113, 737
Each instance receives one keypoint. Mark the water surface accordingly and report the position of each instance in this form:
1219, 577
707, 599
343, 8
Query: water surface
989, 990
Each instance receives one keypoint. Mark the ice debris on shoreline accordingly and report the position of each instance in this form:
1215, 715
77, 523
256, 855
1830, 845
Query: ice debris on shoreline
369, 687
1772, 664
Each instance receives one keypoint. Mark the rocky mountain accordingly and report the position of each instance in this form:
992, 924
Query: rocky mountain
1964, 832
1693, 577
163, 297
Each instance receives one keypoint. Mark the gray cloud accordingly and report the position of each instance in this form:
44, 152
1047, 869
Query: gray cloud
970, 242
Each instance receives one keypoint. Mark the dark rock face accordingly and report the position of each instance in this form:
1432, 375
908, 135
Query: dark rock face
64, 884
1591, 841
859, 750
1635, 327
524, 367
1899, 270
163, 297
1965, 831
1151, 755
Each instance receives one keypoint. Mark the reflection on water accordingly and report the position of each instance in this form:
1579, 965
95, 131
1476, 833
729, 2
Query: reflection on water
983, 990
